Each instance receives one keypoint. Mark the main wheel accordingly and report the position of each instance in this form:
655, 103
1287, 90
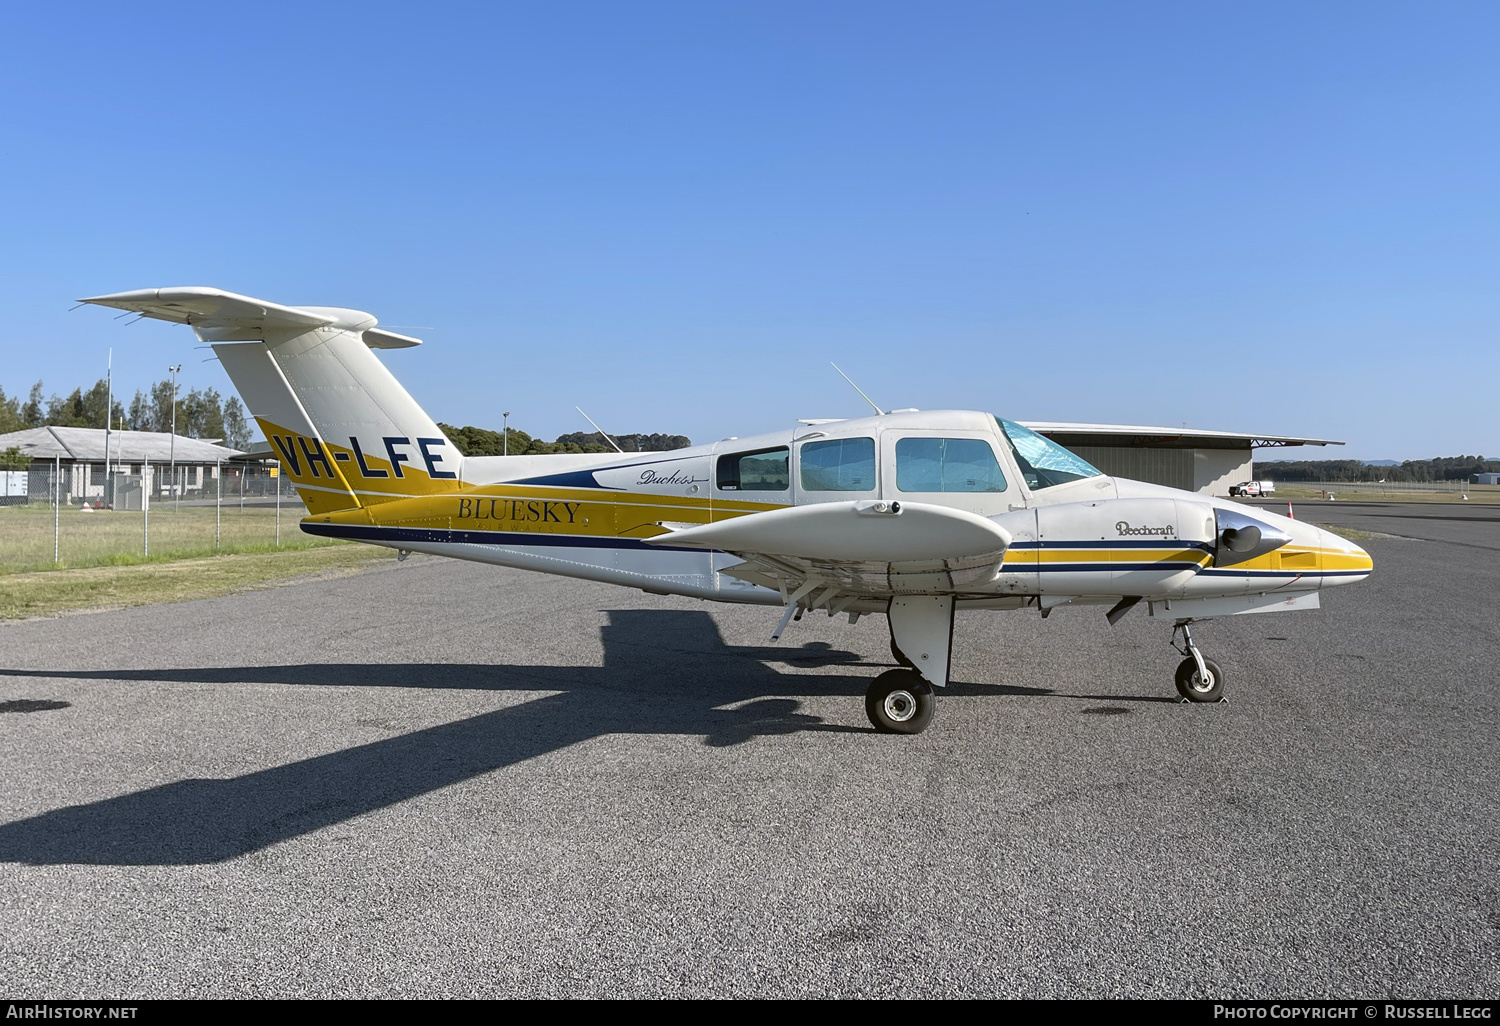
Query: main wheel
900, 702
1193, 687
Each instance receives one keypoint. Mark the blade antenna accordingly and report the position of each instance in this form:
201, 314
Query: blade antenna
599, 429
852, 385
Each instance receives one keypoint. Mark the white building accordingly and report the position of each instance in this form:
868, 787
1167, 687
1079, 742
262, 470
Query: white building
143, 458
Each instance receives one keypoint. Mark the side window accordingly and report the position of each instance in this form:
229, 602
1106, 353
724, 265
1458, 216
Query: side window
947, 465
764, 470
839, 465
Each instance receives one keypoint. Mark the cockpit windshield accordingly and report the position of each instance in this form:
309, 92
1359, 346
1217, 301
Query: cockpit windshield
1043, 462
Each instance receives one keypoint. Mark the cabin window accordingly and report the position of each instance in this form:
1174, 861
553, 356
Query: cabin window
764, 470
947, 465
839, 465
1043, 462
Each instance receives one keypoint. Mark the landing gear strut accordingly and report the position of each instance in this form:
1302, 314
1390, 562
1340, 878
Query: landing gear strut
902, 701
1198, 679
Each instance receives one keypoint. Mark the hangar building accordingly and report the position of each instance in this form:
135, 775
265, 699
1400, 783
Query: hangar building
1189, 458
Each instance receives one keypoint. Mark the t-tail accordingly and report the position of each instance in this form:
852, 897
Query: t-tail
343, 428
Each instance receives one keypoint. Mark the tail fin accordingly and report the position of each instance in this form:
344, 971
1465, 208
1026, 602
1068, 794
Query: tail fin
345, 431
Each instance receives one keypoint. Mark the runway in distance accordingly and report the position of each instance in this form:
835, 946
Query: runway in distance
909, 514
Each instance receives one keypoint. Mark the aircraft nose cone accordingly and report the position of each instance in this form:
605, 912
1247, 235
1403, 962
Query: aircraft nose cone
1343, 561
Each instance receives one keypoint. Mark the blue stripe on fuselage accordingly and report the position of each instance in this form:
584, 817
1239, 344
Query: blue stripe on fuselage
439, 535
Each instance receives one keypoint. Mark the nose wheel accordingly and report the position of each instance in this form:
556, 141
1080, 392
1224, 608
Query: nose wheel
900, 702
1198, 679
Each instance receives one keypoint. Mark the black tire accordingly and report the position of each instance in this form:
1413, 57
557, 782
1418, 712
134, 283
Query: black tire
1191, 688
900, 702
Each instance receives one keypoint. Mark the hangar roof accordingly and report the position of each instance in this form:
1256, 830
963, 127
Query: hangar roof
87, 444
1164, 437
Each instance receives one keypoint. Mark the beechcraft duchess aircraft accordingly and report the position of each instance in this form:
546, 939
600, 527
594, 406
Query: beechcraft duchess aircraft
910, 514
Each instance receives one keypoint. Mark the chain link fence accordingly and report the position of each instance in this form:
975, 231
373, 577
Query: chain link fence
63, 514
1392, 487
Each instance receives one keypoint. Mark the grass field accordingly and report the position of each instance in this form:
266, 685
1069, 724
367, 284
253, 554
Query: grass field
118, 538
47, 592
1362, 492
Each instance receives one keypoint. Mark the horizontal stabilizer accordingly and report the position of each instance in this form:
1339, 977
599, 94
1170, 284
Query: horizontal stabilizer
219, 316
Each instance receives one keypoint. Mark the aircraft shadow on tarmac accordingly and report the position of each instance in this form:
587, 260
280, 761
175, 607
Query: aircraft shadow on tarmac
664, 672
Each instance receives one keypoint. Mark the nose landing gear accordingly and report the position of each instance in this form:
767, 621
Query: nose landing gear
1198, 679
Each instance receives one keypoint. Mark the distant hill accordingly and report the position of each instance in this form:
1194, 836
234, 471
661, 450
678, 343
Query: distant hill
1441, 468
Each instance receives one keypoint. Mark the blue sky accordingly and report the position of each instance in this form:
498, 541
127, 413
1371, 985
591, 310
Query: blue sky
1271, 217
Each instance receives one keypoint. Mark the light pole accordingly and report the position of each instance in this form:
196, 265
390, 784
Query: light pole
172, 450
505, 434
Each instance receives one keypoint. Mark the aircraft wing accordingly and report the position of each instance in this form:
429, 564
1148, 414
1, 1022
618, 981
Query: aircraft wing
861, 549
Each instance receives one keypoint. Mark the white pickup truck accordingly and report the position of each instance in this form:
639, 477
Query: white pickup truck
1253, 489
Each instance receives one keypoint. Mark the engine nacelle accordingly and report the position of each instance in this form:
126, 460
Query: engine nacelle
1147, 547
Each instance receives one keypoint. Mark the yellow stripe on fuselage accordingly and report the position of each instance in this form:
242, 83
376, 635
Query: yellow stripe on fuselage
331, 477
586, 512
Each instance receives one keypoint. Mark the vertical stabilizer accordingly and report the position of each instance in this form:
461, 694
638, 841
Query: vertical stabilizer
345, 431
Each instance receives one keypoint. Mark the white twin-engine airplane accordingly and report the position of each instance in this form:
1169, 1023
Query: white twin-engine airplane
910, 514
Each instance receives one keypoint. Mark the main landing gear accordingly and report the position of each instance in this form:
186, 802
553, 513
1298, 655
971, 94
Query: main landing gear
902, 701
1198, 679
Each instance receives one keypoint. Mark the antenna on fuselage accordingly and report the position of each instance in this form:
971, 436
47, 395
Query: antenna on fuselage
852, 385
599, 429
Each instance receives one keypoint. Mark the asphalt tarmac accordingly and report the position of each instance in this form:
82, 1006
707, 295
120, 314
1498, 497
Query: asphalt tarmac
444, 779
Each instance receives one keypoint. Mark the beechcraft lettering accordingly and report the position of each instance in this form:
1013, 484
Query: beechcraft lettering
1124, 528
910, 515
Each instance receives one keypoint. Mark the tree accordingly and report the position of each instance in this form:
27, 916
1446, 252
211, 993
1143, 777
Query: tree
10, 414
630, 443
476, 441
236, 430
13, 459
82, 409
199, 414
141, 416
160, 404
33, 412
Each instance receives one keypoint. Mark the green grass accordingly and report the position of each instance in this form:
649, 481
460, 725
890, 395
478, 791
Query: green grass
1481, 494
118, 538
49, 592
1354, 534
